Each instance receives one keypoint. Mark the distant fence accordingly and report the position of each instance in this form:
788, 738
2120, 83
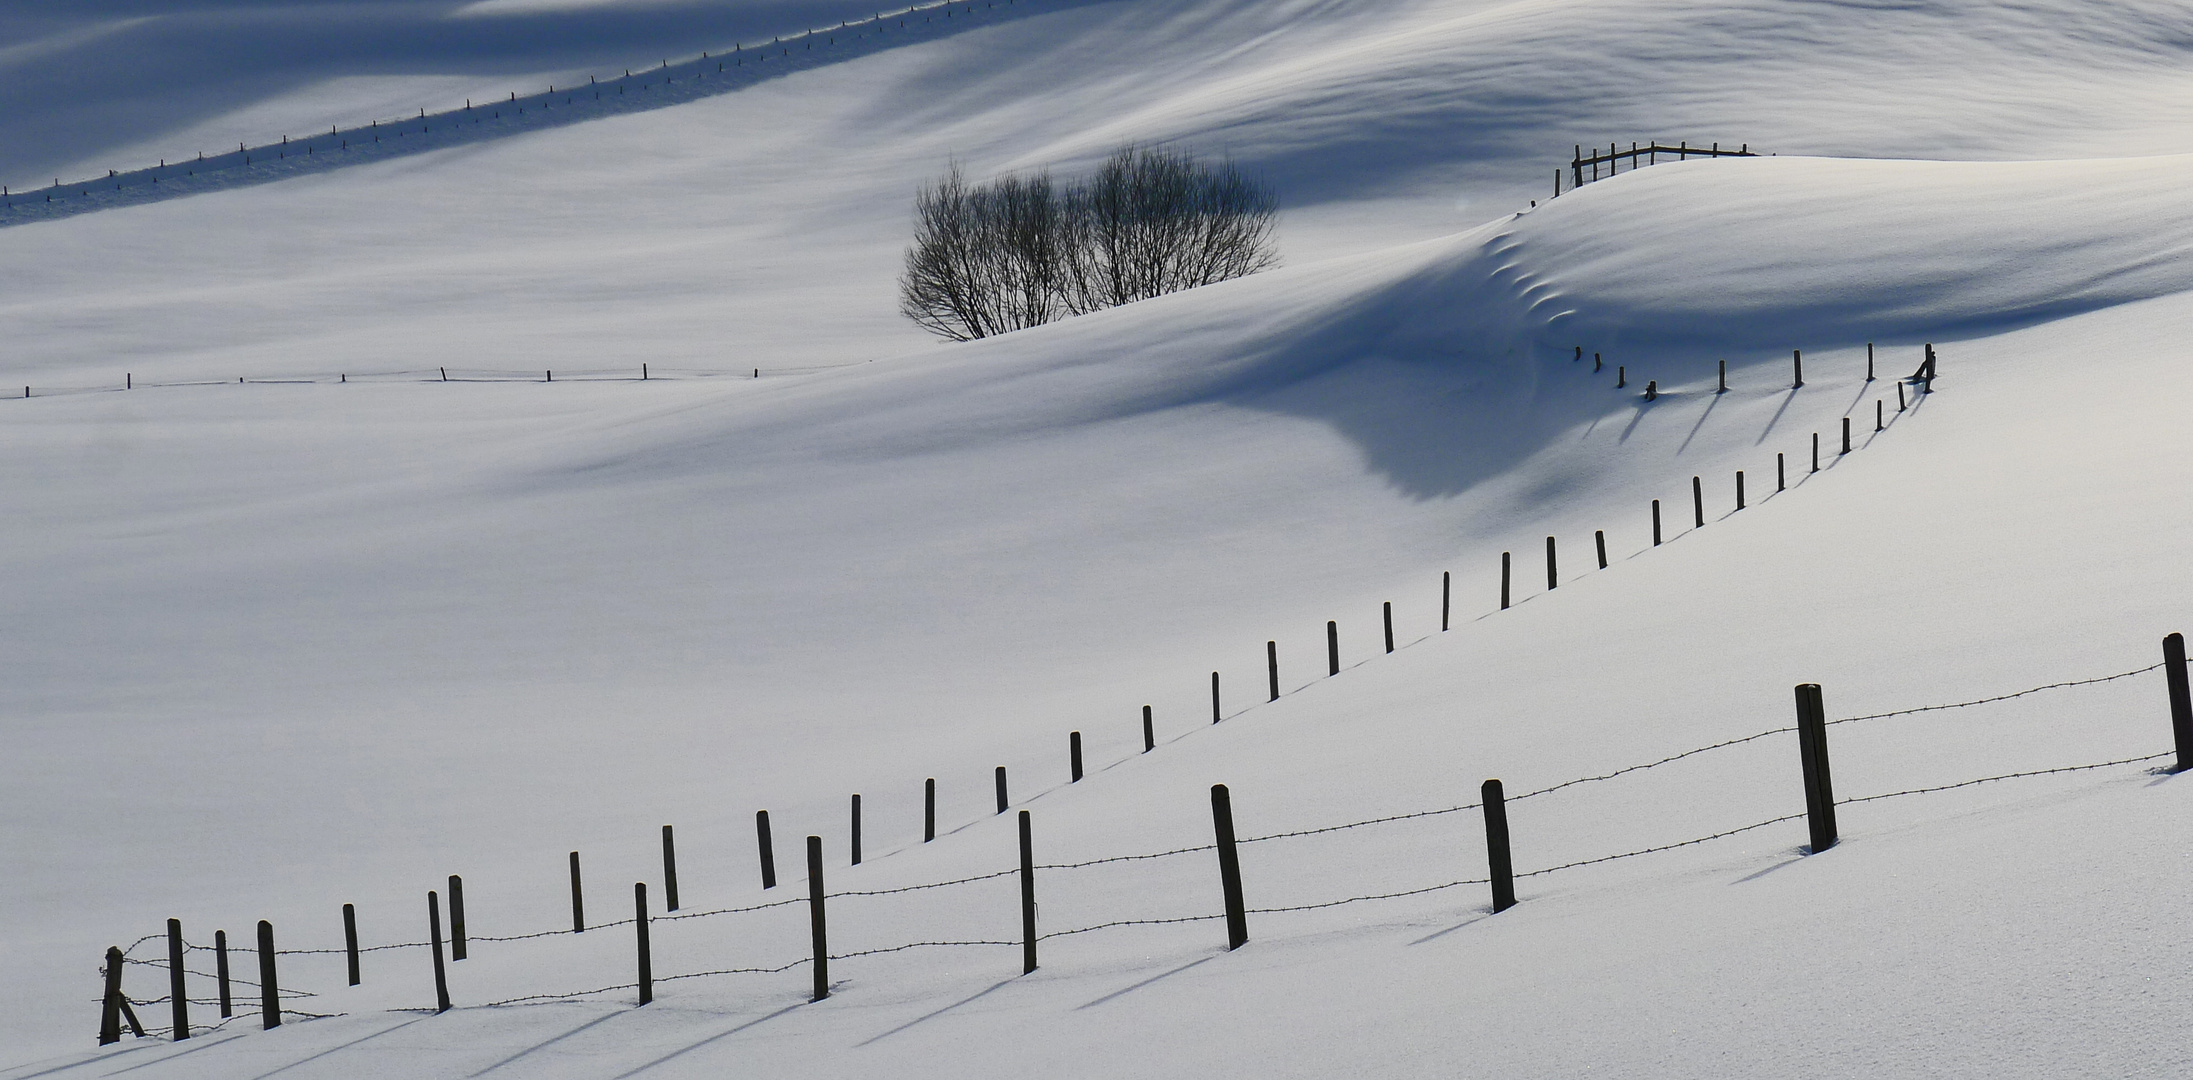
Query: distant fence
1638, 157
643, 372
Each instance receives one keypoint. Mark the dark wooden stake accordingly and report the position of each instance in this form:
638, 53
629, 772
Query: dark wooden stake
1214, 698
1595, 363
1505, 567
769, 848
110, 1003
1656, 523
1815, 451
578, 900
1027, 897
441, 974
1599, 540
929, 810
1553, 574
456, 918
1073, 755
1229, 867
1723, 387
670, 868
646, 952
1389, 626
177, 995
1781, 473
1271, 662
1739, 489
1900, 395
1332, 647
1697, 502
820, 932
856, 830
1001, 790
1878, 406
1869, 361
1652, 390
1812, 750
1499, 865
350, 940
220, 971
1846, 434
1797, 365
270, 994
1446, 598
1621, 376
1149, 731
2181, 702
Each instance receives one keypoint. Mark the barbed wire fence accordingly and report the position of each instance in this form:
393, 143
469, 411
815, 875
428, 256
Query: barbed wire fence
1236, 908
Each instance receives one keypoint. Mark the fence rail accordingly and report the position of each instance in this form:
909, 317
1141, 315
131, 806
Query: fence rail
1649, 152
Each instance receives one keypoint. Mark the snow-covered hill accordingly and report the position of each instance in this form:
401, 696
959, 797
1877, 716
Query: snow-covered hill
283, 646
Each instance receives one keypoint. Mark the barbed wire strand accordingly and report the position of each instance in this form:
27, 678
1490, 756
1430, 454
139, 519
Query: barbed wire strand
1126, 922
2007, 776
2001, 697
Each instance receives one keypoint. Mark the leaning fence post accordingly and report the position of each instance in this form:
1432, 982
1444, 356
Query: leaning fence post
1389, 626
2181, 702
578, 901
270, 996
1599, 539
1505, 565
1229, 867
1332, 647
441, 974
1027, 898
177, 996
1149, 731
220, 970
646, 954
819, 932
669, 873
1002, 803
768, 850
110, 1003
1073, 756
1500, 867
456, 918
350, 940
1812, 749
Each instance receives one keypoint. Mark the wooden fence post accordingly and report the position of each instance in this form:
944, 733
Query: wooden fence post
1215, 716
1621, 376
855, 845
818, 930
1846, 434
669, 875
929, 810
456, 918
1797, 366
1553, 573
110, 1002
220, 971
1815, 451
1002, 804
1027, 897
1739, 489
646, 953
1073, 756
578, 899
1389, 626
350, 940
1869, 361
1877, 411
178, 997
2181, 702
1723, 388
768, 849
1499, 865
1656, 523
1697, 502
1229, 867
1149, 731
434, 927
1812, 749
1446, 598
1599, 540
1271, 664
1781, 474
270, 994
1332, 648
1652, 390
1504, 575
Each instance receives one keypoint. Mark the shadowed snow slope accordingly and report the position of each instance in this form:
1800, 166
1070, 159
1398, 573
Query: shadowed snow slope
282, 646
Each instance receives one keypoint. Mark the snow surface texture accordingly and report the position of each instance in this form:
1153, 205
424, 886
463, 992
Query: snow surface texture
286, 646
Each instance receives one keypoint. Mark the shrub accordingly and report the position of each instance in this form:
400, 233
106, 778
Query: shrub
1018, 252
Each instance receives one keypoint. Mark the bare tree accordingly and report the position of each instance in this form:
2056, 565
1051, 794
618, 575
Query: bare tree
1018, 252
